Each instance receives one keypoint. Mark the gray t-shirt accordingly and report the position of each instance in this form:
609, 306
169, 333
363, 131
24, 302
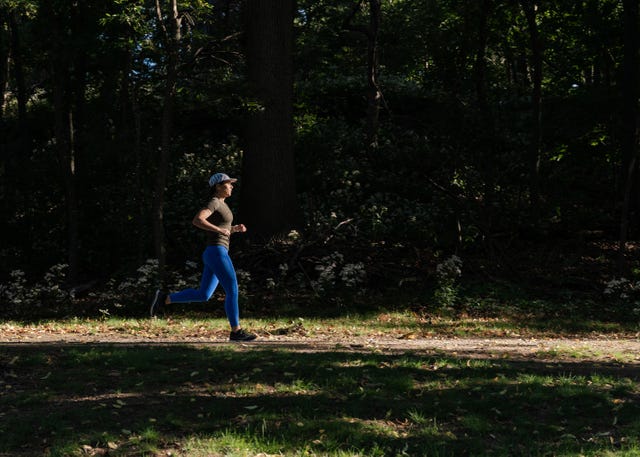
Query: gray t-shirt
222, 217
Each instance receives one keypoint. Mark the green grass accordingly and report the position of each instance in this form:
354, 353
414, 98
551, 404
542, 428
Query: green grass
209, 400
381, 323
130, 399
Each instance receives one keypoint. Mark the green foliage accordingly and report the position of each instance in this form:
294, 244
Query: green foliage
447, 274
448, 175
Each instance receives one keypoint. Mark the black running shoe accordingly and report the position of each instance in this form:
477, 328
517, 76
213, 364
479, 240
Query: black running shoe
241, 335
157, 303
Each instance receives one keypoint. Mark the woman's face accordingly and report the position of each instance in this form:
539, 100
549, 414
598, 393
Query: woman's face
225, 189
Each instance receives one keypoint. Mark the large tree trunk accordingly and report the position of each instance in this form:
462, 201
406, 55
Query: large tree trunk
268, 205
172, 37
630, 93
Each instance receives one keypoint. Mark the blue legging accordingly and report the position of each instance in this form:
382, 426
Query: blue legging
218, 268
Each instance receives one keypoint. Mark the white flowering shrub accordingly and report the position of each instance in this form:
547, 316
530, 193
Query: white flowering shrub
619, 288
326, 270
447, 274
270, 284
15, 291
353, 274
129, 290
132, 291
244, 279
624, 293
189, 277
332, 270
293, 236
18, 297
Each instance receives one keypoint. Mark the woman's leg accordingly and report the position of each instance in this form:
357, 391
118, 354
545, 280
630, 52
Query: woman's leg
208, 284
224, 271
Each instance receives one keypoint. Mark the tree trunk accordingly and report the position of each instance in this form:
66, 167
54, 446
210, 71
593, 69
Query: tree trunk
5, 59
18, 72
530, 8
630, 93
64, 133
172, 37
268, 200
64, 143
486, 136
21, 153
374, 94
480, 65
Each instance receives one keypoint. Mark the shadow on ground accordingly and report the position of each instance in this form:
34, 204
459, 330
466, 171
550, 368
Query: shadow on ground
135, 399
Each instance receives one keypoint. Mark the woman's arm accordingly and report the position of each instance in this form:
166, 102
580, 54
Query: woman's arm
200, 221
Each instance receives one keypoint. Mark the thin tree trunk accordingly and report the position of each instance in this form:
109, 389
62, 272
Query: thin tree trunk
64, 134
530, 8
480, 66
73, 204
18, 72
137, 152
630, 93
632, 172
486, 135
374, 94
172, 37
64, 143
268, 199
5, 59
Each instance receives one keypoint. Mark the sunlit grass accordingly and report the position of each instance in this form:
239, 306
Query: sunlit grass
585, 352
393, 324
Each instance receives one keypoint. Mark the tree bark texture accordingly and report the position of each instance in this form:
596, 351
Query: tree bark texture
630, 93
66, 153
268, 200
530, 8
61, 62
5, 59
486, 137
172, 36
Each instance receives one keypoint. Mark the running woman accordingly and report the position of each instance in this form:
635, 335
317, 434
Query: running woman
215, 219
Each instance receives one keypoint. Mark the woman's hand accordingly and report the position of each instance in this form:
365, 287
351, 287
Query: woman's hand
238, 228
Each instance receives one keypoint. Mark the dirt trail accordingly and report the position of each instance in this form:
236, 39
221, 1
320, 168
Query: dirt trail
619, 350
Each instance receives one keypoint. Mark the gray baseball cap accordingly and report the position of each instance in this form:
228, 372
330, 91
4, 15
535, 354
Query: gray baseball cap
220, 177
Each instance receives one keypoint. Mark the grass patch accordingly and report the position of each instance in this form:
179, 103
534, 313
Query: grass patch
73, 400
406, 323
577, 353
